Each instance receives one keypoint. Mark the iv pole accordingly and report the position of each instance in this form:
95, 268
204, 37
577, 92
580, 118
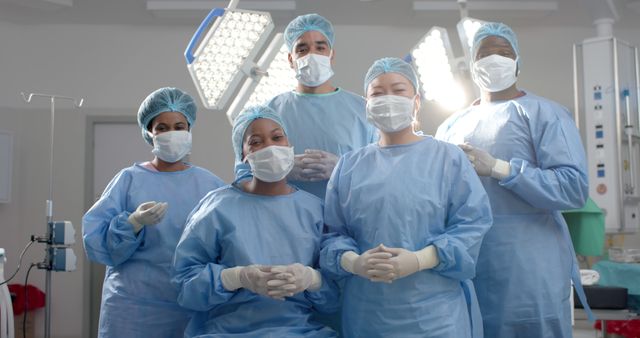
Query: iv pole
49, 205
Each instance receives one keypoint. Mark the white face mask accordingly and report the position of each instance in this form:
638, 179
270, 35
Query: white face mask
271, 164
313, 69
494, 73
390, 113
172, 146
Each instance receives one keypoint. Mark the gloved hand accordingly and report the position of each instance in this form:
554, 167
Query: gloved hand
373, 264
313, 165
485, 164
407, 262
296, 172
291, 279
252, 277
147, 213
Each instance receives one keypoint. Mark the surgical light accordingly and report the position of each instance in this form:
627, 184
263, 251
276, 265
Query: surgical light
272, 76
467, 28
225, 55
432, 58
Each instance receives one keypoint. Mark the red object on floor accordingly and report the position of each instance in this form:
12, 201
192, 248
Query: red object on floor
625, 328
35, 298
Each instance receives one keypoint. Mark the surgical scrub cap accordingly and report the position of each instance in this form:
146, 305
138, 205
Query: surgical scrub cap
165, 100
495, 29
243, 121
390, 65
305, 23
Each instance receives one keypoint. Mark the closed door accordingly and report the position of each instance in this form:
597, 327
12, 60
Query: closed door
116, 144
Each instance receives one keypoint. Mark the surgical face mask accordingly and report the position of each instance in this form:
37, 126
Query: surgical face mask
313, 69
390, 113
494, 73
271, 164
172, 146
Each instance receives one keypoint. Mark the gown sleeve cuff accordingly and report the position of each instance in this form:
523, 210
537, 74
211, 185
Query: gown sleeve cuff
516, 166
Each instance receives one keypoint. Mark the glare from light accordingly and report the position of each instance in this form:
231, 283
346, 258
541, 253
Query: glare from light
234, 37
281, 79
431, 58
454, 97
467, 28
470, 28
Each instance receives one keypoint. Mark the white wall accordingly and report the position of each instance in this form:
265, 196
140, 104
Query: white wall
115, 67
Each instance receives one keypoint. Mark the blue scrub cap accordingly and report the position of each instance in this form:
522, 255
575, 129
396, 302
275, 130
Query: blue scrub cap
243, 121
391, 65
495, 29
305, 23
165, 100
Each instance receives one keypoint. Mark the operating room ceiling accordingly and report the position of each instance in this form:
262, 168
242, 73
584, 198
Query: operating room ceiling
341, 12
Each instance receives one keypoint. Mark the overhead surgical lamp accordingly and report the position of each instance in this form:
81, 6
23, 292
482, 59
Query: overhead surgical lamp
433, 60
467, 28
442, 75
226, 53
272, 76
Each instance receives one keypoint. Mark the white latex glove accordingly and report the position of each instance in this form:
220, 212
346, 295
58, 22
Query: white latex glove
147, 213
252, 277
313, 165
373, 264
296, 171
485, 164
407, 262
294, 278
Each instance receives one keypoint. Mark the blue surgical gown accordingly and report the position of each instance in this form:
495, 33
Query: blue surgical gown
526, 260
231, 227
138, 299
407, 196
335, 122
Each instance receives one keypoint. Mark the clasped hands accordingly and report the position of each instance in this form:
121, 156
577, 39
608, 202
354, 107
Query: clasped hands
275, 281
384, 264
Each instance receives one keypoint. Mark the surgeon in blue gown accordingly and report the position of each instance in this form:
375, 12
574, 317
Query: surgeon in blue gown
406, 217
134, 227
247, 260
323, 121
528, 153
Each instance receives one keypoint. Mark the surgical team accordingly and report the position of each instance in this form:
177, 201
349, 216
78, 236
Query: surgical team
344, 220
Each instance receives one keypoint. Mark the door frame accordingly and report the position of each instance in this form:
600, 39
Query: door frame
91, 299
